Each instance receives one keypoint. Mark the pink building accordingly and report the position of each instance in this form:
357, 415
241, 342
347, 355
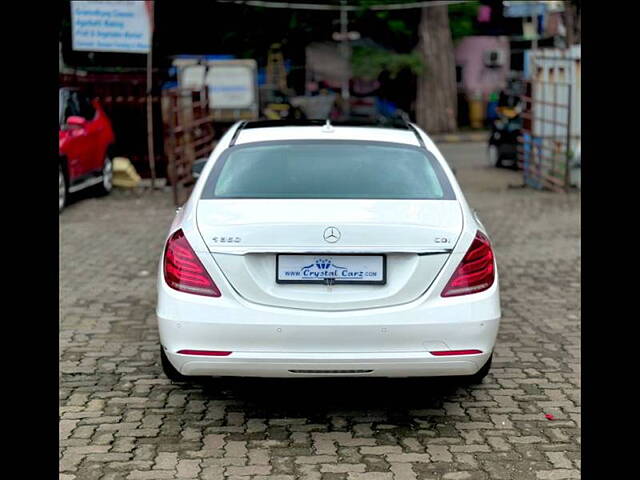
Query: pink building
483, 62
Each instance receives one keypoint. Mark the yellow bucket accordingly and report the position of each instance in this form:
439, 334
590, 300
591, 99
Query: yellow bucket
476, 113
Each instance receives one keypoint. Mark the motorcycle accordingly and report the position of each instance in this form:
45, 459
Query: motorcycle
502, 150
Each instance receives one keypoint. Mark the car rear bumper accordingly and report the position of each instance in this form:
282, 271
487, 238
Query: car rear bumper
295, 345
377, 364
268, 341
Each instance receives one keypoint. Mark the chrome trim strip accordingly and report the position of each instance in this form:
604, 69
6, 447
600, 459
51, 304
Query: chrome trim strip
326, 249
89, 182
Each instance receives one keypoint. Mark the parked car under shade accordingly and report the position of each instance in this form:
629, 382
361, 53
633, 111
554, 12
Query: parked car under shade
85, 137
315, 251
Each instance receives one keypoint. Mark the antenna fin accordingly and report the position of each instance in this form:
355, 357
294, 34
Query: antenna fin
327, 127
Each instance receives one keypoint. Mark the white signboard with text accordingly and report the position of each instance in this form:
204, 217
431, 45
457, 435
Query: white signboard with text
231, 85
116, 26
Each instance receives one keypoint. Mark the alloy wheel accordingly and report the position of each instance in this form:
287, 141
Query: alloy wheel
107, 175
62, 189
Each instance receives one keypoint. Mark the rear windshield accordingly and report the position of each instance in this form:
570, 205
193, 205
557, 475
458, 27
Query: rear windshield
335, 169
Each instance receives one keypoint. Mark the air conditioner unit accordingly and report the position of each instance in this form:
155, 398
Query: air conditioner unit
494, 58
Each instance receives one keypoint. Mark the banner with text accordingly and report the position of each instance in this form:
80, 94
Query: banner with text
116, 26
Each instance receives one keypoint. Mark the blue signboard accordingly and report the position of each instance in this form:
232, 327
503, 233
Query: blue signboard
524, 9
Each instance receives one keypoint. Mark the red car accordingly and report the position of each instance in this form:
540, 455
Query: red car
84, 142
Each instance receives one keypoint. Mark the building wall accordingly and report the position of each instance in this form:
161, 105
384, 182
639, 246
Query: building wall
478, 79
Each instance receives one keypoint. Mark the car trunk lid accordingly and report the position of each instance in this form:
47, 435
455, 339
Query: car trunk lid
245, 236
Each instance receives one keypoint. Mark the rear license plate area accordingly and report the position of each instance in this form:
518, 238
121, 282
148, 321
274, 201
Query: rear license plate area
331, 269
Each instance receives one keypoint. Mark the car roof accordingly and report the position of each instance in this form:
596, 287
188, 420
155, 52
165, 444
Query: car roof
261, 131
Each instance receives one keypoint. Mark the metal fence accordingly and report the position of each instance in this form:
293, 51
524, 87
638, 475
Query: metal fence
544, 153
551, 129
189, 135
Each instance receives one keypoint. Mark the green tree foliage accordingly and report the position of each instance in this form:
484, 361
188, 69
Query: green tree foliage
370, 62
462, 19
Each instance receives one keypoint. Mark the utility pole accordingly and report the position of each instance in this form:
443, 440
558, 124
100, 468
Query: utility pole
345, 51
152, 158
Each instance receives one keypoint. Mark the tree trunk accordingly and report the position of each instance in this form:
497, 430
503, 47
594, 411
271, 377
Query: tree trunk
436, 104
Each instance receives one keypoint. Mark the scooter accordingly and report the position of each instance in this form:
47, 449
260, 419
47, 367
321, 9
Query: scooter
502, 150
280, 108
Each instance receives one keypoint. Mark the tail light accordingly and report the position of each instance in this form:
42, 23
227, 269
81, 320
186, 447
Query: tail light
183, 271
476, 272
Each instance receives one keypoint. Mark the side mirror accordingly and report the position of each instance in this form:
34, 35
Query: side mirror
76, 121
197, 167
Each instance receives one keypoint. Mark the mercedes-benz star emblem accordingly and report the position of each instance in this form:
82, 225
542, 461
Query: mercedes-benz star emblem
331, 235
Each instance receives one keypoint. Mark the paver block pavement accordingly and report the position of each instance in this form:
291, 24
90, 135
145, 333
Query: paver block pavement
121, 419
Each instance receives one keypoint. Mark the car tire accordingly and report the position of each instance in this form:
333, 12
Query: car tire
493, 156
477, 377
62, 189
105, 187
169, 370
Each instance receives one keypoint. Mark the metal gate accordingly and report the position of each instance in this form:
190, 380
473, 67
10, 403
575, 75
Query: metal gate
189, 135
550, 111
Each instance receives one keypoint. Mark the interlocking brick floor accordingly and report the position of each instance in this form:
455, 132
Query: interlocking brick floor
120, 418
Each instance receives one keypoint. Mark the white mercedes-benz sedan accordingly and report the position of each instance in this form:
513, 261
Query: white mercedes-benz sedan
315, 250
